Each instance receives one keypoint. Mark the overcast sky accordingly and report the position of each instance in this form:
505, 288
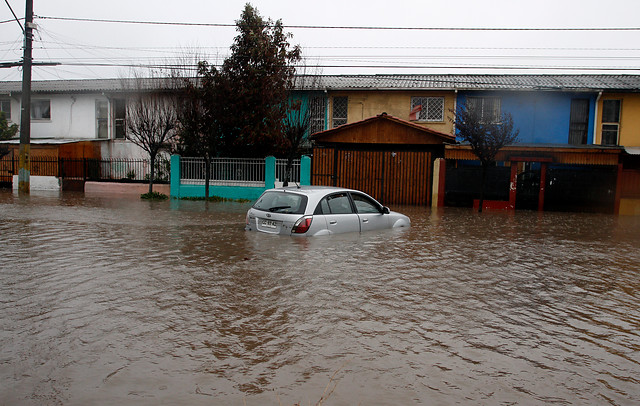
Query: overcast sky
332, 50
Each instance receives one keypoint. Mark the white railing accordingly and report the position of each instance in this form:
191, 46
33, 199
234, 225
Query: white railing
224, 171
281, 170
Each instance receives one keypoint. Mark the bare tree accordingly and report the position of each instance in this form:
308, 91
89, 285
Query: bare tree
297, 121
151, 121
486, 136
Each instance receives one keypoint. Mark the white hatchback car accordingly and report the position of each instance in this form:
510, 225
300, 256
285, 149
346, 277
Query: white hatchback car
319, 210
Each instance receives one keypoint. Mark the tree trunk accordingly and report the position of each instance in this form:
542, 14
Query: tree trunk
482, 183
153, 172
289, 170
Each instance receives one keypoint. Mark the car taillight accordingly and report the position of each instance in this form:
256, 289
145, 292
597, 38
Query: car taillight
302, 225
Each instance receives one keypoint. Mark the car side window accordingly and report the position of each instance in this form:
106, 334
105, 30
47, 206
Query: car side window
338, 203
364, 204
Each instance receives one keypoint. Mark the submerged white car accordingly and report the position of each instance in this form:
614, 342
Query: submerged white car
319, 210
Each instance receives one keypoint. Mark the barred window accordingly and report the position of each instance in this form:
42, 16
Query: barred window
487, 108
340, 105
318, 106
432, 108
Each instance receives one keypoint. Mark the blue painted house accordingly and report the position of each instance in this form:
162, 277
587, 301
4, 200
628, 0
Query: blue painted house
543, 117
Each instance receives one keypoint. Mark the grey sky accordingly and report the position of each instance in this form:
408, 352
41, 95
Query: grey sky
408, 51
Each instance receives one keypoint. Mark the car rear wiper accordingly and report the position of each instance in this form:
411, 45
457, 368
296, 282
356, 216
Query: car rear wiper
276, 208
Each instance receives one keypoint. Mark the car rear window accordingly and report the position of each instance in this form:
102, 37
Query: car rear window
281, 202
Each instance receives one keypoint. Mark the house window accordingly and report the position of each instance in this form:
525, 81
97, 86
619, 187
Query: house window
119, 115
579, 121
610, 121
486, 108
41, 110
318, 106
102, 119
5, 107
432, 108
340, 105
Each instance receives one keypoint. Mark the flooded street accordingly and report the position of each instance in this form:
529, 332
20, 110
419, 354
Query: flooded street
117, 301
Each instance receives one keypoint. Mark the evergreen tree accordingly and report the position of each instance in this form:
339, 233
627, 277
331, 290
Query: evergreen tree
246, 99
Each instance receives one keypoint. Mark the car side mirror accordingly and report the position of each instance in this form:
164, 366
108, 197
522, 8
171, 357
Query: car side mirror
385, 210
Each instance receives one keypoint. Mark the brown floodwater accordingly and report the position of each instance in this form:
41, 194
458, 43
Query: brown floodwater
116, 301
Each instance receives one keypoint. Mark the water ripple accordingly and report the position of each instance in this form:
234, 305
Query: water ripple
114, 301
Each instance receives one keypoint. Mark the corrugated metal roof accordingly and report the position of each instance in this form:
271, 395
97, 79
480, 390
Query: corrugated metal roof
369, 82
483, 82
89, 86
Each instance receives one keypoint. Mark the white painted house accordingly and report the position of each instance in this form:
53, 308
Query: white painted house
73, 111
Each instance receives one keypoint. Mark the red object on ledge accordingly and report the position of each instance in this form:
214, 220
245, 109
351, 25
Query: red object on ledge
493, 205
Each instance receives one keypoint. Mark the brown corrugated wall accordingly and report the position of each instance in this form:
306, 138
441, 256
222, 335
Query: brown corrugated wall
402, 177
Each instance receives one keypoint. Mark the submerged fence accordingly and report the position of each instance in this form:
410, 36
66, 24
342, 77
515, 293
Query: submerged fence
234, 178
115, 169
234, 171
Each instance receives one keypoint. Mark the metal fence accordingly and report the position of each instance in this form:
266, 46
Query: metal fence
281, 170
223, 171
122, 170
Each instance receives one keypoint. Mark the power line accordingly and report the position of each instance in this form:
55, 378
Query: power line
343, 27
14, 15
460, 66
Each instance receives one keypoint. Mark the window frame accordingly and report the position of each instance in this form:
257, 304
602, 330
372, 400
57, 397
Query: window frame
318, 106
423, 114
34, 109
357, 197
7, 112
497, 113
336, 120
119, 123
324, 202
102, 120
610, 124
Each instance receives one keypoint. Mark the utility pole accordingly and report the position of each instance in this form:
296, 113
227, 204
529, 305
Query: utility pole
24, 166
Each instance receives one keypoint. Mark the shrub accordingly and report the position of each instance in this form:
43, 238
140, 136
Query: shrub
154, 196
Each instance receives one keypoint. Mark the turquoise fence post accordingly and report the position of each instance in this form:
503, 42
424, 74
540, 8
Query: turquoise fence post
269, 172
305, 170
175, 177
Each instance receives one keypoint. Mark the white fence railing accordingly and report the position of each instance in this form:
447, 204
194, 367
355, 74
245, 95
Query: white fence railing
281, 170
224, 171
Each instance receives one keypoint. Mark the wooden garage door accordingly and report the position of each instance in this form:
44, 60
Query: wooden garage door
392, 177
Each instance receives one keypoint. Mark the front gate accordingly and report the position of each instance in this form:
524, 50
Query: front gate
392, 177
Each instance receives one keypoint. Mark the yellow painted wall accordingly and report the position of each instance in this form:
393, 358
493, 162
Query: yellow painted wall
629, 135
364, 104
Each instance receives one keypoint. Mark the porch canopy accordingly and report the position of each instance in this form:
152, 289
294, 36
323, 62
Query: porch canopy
558, 154
389, 158
382, 129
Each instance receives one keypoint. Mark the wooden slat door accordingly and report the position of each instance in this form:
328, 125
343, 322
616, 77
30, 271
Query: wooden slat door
402, 177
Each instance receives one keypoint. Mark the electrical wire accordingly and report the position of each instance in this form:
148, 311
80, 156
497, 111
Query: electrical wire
97, 20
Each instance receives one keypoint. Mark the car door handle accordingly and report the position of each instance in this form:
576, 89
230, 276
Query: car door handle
333, 222
365, 220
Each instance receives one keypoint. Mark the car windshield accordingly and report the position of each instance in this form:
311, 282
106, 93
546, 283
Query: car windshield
281, 202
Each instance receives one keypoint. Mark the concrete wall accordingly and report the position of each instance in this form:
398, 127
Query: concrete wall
113, 188
39, 183
72, 116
